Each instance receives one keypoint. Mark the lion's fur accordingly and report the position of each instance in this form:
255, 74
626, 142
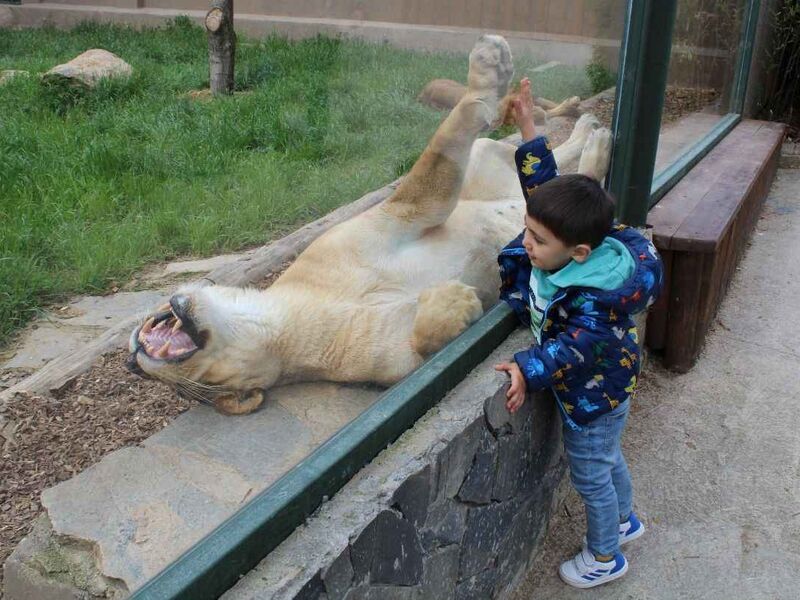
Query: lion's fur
371, 298
444, 94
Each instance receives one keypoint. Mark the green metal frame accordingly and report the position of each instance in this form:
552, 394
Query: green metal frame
644, 63
667, 178
639, 104
216, 562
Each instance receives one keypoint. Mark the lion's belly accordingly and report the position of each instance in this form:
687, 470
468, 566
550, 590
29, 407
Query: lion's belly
465, 248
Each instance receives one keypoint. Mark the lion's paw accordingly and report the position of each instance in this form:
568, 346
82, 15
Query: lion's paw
443, 312
596, 154
584, 126
490, 67
239, 404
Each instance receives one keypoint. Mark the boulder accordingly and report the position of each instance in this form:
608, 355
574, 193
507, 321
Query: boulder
88, 68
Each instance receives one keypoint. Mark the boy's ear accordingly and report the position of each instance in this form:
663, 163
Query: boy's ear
581, 252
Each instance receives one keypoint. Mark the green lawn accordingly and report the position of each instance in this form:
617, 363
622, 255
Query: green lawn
93, 186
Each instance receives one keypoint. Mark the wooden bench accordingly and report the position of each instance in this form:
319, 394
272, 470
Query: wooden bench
701, 227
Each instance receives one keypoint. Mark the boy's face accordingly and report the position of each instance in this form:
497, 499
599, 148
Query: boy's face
546, 251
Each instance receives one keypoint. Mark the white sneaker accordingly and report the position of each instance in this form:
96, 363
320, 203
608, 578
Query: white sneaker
585, 571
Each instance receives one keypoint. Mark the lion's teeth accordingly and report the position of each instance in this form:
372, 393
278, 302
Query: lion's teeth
148, 325
164, 307
160, 325
177, 326
164, 349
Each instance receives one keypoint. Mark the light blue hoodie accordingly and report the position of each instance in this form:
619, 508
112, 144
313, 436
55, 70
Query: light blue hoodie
608, 267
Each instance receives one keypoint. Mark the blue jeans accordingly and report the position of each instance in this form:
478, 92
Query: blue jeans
600, 475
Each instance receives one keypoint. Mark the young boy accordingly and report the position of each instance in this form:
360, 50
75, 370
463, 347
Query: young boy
576, 280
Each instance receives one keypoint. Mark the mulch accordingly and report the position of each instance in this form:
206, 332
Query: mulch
45, 440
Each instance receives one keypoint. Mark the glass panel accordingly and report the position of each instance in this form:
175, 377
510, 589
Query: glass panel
97, 182
701, 74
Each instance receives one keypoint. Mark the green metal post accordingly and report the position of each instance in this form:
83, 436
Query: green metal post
644, 62
749, 25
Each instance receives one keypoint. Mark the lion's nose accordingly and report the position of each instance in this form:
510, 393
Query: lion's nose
181, 303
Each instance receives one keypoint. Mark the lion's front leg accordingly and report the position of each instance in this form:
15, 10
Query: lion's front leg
428, 194
443, 312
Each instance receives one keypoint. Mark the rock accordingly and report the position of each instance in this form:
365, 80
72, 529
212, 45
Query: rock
388, 552
87, 69
7, 18
9, 74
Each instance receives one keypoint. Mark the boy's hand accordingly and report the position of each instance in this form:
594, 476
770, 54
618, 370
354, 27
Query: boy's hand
522, 106
516, 392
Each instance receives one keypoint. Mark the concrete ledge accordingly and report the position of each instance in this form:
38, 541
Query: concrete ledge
456, 508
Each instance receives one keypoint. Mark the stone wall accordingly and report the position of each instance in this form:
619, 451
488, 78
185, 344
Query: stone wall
456, 508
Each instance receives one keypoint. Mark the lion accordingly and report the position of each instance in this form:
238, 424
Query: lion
444, 94
372, 298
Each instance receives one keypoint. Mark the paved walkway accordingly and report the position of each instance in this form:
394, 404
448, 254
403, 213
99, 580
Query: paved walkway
715, 453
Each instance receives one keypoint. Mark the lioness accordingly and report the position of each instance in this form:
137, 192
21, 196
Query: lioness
374, 296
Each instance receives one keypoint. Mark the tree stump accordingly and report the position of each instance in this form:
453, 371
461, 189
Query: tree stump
221, 46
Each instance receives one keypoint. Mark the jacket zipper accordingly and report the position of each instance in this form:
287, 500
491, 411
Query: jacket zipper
567, 419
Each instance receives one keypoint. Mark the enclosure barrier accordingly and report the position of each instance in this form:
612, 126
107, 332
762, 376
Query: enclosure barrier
215, 563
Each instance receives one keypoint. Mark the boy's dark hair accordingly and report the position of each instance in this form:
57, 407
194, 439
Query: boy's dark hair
575, 208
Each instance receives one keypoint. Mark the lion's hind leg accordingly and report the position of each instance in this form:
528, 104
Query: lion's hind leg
596, 154
443, 312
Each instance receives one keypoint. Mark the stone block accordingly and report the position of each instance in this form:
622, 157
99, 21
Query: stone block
455, 460
486, 528
338, 577
388, 551
445, 525
499, 420
478, 484
313, 590
477, 587
413, 497
440, 574
513, 455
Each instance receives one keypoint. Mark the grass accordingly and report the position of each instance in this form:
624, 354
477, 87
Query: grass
93, 185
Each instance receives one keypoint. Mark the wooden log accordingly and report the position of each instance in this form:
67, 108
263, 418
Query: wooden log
221, 46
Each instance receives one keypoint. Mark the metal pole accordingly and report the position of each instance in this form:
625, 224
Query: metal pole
644, 62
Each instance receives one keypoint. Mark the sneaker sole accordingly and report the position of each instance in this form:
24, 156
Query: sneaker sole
590, 584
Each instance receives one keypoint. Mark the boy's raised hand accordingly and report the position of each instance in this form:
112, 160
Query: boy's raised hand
516, 391
522, 106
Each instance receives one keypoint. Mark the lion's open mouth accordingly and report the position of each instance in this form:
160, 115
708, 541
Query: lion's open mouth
169, 334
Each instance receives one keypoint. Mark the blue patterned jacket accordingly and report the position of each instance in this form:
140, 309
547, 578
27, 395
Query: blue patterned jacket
589, 354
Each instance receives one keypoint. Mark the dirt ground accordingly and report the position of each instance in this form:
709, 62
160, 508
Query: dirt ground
46, 440
678, 101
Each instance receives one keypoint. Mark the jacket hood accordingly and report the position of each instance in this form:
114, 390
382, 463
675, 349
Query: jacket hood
636, 293
642, 288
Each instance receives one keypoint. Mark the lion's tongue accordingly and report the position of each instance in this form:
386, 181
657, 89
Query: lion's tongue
179, 343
